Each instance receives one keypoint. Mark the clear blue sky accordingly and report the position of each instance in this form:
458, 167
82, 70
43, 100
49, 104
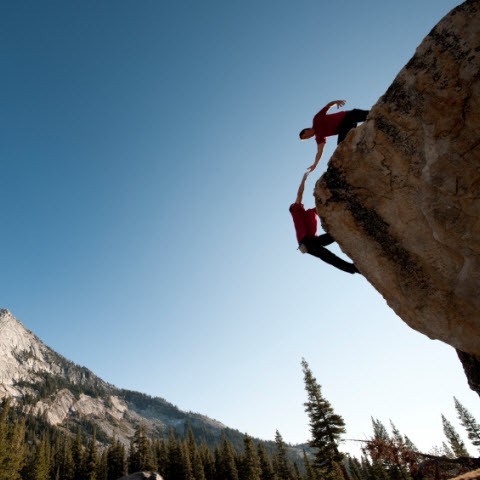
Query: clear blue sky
148, 156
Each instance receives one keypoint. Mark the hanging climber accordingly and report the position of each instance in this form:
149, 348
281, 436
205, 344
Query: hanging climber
325, 125
305, 222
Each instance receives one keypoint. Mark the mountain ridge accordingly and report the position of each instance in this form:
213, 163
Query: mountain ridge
39, 379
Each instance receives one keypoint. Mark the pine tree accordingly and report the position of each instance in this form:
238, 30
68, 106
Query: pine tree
393, 456
101, 471
41, 466
367, 469
195, 459
309, 471
266, 468
410, 445
282, 464
77, 455
337, 472
161, 453
250, 463
296, 472
326, 426
187, 470
140, 455
469, 423
12, 441
226, 467
355, 469
91, 459
208, 461
175, 465
16, 457
379, 430
456, 443
398, 468
116, 461
446, 451
66, 465
5, 406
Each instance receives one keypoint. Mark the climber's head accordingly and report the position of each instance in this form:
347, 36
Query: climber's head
306, 133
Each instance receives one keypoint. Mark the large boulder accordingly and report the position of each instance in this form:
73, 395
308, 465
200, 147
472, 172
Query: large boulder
401, 194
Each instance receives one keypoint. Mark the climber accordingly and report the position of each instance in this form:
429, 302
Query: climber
325, 125
305, 222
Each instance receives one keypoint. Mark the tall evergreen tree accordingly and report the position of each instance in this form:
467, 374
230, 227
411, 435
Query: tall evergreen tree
175, 465
367, 468
208, 461
393, 456
41, 466
410, 445
379, 430
101, 471
195, 459
16, 455
228, 467
66, 466
12, 442
456, 443
309, 471
140, 456
296, 472
469, 423
77, 455
282, 466
355, 469
61, 462
91, 459
326, 426
187, 470
250, 463
267, 472
116, 461
161, 454
446, 451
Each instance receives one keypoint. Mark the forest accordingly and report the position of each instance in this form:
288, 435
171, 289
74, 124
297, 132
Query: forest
30, 449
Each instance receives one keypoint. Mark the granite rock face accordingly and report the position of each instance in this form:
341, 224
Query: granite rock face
401, 194
68, 395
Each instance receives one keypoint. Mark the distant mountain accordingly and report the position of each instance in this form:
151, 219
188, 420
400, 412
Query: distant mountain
46, 384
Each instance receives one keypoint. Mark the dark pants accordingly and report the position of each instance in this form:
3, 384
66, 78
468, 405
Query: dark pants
315, 246
350, 121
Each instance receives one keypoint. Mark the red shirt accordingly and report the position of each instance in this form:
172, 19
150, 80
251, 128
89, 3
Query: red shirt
326, 125
305, 221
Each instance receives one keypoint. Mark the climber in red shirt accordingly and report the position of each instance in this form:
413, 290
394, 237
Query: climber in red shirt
325, 125
305, 222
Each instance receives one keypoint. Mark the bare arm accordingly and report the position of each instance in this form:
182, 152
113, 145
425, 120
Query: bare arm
301, 188
318, 156
338, 103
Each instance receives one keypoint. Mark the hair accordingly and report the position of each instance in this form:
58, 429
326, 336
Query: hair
301, 133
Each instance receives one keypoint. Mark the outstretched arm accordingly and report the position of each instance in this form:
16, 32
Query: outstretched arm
318, 156
338, 103
301, 188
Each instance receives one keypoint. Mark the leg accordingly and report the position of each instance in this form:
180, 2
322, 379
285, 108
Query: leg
324, 240
350, 121
358, 115
343, 131
315, 247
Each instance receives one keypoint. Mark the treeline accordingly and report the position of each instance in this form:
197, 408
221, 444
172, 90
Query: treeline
32, 450
53, 455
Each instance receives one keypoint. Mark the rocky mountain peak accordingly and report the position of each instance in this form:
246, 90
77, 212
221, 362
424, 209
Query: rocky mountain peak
67, 395
21, 352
